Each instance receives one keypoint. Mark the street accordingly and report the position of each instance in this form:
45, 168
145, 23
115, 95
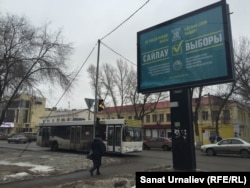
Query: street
220, 163
76, 165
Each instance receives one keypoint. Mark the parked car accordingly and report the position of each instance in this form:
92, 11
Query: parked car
158, 142
17, 138
3, 136
228, 146
30, 135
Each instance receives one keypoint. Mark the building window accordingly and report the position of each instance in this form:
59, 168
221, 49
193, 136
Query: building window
215, 114
168, 117
204, 115
154, 116
25, 116
161, 117
148, 118
24, 104
129, 117
10, 115
226, 116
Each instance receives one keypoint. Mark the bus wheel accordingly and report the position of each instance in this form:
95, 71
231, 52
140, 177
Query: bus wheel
145, 147
54, 146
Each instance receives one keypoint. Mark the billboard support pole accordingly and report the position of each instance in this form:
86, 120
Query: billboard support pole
183, 149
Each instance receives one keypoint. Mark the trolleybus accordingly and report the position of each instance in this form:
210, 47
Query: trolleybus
119, 135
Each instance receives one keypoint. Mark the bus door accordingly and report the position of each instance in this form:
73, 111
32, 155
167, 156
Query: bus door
44, 136
114, 138
75, 132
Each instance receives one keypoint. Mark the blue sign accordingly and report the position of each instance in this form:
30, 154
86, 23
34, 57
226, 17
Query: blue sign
192, 50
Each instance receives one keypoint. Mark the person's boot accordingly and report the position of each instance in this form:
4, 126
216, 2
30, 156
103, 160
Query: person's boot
98, 172
91, 171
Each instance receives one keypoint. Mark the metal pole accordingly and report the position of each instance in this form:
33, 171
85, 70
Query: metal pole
96, 87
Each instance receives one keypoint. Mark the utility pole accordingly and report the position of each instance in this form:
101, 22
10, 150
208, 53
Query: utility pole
96, 87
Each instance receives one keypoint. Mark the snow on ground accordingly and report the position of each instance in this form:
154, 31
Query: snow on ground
22, 170
123, 181
35, 168
16, 169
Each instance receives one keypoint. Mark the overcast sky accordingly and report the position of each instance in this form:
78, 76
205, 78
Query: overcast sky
83, 22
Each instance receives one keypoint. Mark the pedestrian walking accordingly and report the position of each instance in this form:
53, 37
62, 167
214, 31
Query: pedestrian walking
212, 138
98, 150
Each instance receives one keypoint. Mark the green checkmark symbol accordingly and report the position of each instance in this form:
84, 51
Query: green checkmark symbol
177, 48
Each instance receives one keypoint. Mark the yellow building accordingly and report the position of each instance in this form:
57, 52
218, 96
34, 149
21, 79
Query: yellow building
24, 114
233, 119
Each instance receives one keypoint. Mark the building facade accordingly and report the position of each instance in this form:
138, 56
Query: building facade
54, 115
27, 112
233, 119
23, 115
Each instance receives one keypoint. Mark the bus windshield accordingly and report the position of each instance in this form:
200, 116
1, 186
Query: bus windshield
132, 134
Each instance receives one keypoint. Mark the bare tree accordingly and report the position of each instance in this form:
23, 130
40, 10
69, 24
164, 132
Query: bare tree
196, 111
223, 95
28, 56
242, 63
143, 104
238, 90
118, 87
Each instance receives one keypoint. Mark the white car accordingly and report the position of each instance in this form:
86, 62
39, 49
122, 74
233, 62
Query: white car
228, 146
18, 138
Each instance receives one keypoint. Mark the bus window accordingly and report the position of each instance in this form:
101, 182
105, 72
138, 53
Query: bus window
87, 133
132, 134
138, 134
127, 136
61, 131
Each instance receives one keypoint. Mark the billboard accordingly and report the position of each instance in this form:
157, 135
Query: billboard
192, 50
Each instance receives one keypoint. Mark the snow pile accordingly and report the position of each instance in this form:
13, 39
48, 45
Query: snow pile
32, 168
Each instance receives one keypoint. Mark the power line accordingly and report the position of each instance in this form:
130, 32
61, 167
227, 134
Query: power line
125, 20
118, 53
73, 79
104, 45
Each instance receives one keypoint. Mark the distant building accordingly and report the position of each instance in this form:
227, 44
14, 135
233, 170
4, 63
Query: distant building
27, 112
23, 115
233, 120
54, 115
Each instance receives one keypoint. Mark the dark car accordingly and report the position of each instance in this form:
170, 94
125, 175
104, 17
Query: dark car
17, 138
228, 146
30, 135
158, 142
3, 136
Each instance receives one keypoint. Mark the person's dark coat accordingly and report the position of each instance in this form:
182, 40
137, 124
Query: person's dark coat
98, 150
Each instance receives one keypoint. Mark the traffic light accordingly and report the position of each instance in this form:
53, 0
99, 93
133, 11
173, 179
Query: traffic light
100, 105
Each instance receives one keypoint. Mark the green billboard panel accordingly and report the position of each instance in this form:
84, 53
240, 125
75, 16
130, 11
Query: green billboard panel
192, 50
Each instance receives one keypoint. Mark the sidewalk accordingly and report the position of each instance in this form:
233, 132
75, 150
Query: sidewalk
48, 169
40, 169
